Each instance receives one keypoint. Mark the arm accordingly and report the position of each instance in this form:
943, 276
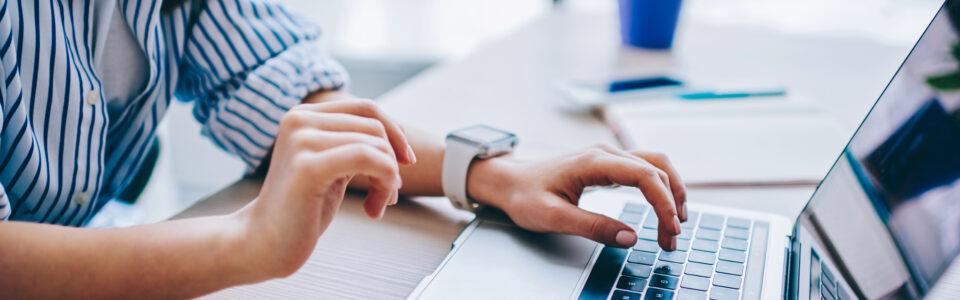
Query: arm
319, 148
542, 195
161, 260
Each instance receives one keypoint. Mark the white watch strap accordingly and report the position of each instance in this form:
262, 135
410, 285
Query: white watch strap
456, 163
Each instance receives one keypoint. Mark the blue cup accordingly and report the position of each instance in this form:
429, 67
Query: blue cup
648, 23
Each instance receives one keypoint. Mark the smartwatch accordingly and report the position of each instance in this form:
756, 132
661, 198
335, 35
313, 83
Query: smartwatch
463, 147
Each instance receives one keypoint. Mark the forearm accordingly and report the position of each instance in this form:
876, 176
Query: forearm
176, 259
425, 178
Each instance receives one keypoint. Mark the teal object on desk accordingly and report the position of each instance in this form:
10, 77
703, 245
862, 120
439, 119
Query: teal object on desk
715, 95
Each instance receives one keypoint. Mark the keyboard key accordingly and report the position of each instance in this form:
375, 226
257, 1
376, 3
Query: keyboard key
842, 293
688, 294
739, 223
731, 268
703, 257
693, 217
732, 243
675, 256
647, 234
685, 234
696, 282
826, 274
664, 281
711, 221
651, 221
733, 255
691, 222
668, 268
625, 295
722, 293
698, 269
705, 245
631, 283
709, 234
631, 218
725, 280
683, 245
736, 233
826, 280
647, 246
603, 275
643, 258
825, 293
658, 294
637, 270
635, 208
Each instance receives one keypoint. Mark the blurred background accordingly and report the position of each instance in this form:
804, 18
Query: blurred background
383, 43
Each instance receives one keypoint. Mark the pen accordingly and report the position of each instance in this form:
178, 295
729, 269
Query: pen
729, 95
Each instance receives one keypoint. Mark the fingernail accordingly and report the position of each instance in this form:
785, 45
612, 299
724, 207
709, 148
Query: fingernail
673, 244
382, 212
676, 224
398, 182
411, 155
626, 238
683, 213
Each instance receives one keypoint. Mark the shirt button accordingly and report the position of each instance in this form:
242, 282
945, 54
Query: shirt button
92, 97
81, 198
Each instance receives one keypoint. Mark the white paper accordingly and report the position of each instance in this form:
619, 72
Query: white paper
747, 141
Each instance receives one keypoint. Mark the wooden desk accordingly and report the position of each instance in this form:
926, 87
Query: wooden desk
510, 84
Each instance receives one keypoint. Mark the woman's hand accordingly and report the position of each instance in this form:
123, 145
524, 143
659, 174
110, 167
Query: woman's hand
543, 195
319, 149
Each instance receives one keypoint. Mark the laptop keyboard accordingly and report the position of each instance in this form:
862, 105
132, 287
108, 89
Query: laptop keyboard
709, 262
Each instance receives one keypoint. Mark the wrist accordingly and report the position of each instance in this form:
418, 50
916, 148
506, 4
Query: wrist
486, 178
259, 253
238, 250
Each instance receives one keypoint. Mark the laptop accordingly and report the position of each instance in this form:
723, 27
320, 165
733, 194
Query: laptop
884, 223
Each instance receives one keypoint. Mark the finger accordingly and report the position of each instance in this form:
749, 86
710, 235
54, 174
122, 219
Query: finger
357, 159
318, 140
396, 198
570, 219
347, 122
597, 167
676, 183
340, 122
369, 109
667, 241
664, 177
377, 200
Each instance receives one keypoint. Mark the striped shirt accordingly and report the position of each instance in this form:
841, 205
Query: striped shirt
243, 63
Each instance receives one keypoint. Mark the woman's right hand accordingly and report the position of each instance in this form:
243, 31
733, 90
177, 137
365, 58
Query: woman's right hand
319, 148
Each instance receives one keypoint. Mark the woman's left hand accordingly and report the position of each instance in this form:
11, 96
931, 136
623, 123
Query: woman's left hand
542, 196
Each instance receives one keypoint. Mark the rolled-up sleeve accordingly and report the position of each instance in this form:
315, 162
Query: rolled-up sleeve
245, 64
4, 204
5, 208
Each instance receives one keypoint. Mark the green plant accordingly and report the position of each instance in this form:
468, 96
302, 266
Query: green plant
949, 81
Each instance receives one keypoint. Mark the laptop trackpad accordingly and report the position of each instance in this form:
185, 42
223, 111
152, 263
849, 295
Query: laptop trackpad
499, 261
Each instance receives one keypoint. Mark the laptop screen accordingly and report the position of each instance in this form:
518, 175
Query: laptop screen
887, 216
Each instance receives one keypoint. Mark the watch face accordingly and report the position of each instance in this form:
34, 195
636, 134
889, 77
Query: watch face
482, 134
